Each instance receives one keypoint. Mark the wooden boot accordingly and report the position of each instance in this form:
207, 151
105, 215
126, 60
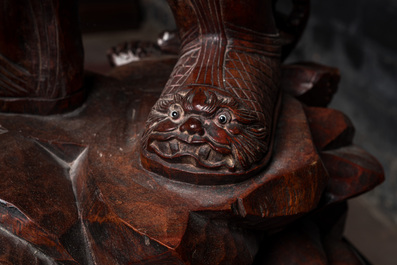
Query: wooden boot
215, 120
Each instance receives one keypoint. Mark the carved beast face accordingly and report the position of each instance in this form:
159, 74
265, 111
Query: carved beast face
204, 130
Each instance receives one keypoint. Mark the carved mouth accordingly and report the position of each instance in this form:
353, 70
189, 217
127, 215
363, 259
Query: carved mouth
198, 153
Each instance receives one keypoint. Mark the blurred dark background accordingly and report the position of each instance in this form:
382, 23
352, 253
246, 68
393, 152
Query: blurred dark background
357, 36
360, 38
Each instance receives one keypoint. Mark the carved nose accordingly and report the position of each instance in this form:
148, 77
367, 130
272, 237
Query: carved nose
192, 126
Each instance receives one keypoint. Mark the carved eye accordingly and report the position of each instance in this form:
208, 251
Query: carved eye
175, 114
175, 111
223, 117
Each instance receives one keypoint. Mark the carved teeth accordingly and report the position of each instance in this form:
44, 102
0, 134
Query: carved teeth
161, 147
229, 162
174, 146
204, 152
184, 148
214, 156
164, 148
218, 157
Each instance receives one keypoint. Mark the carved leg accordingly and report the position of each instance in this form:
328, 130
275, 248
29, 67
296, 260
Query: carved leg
41, 56
214, 122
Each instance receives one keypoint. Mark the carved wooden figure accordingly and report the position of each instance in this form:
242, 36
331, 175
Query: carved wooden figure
218, 156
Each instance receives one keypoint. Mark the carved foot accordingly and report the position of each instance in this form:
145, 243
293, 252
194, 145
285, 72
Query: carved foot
214, 122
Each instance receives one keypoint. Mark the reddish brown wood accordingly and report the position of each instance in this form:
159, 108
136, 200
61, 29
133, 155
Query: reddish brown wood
29, 207
159, 210
215, 120
361, 172
329, 135
76, 188
311, 83
41, 57
316, 239
130, 215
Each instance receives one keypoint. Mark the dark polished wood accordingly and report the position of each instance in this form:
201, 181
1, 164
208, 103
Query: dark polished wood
41, 57
78, 188
215, 120
126, 214
311, 83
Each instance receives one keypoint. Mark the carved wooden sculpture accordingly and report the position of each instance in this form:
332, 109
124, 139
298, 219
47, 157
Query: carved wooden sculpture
101, 185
